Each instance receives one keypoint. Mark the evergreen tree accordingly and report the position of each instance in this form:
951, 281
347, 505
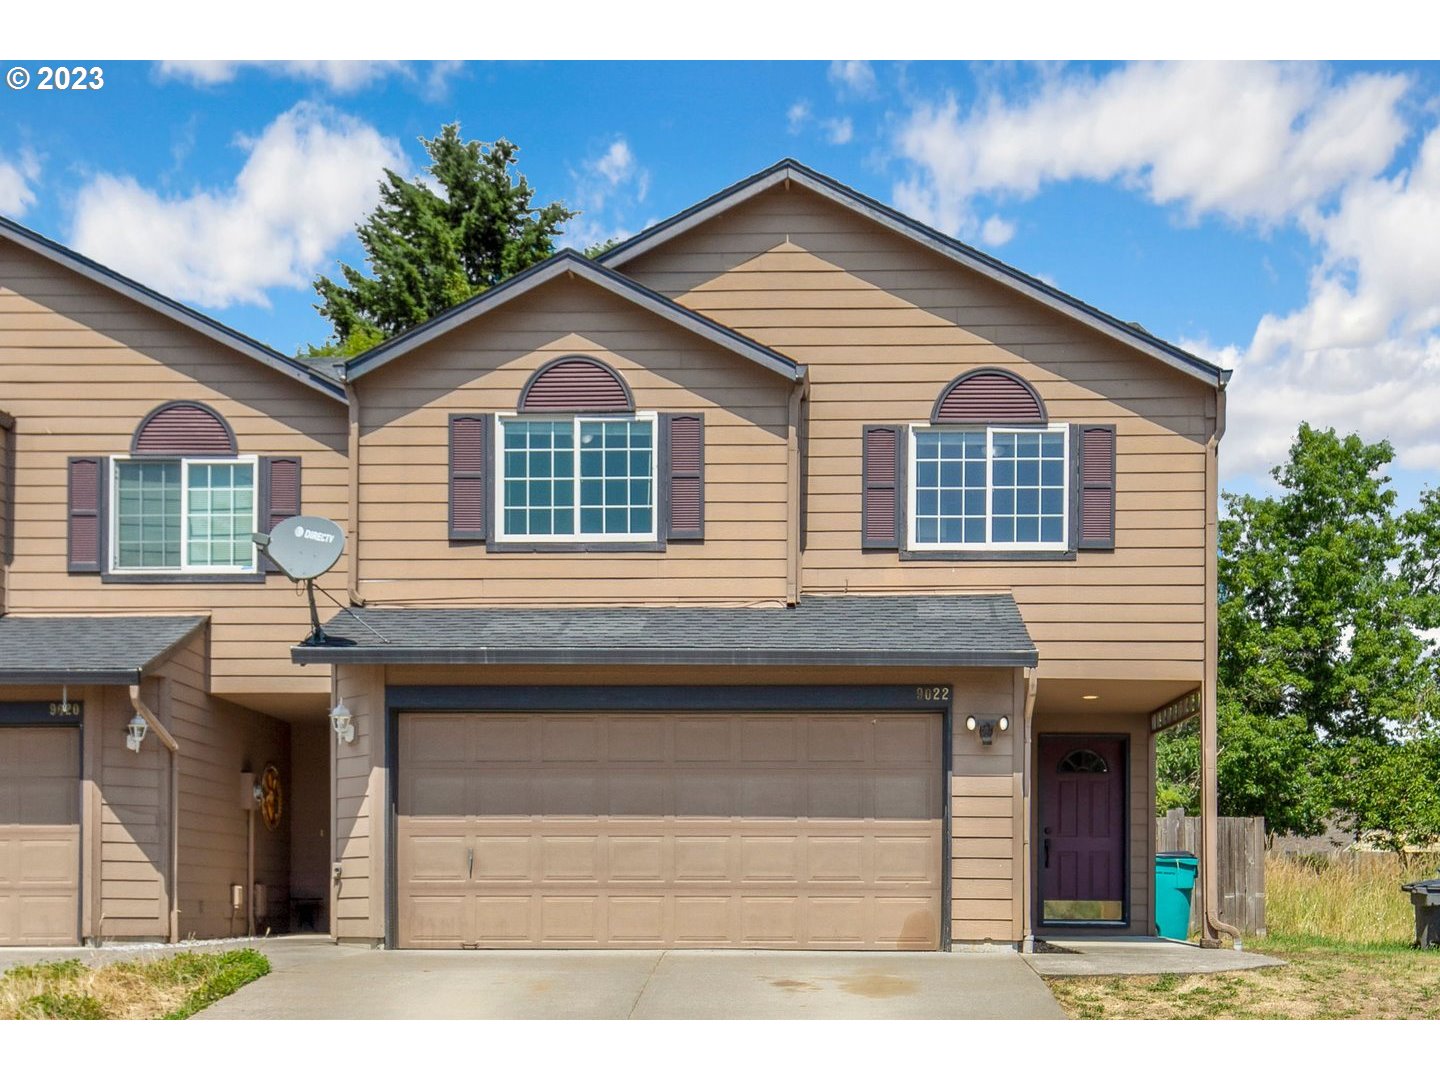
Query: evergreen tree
430, 246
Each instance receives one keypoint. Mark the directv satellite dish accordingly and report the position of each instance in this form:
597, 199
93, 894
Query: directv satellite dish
303, 548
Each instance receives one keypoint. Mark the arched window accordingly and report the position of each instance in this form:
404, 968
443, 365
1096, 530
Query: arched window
1083, 761
988, 396
576, 384
183, 428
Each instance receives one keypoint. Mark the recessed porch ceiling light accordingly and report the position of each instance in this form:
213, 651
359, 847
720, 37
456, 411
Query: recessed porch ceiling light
1089, 697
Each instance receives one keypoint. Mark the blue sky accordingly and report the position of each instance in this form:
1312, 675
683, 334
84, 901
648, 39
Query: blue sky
1278, 218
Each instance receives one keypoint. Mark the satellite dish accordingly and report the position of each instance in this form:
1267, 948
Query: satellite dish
303, 547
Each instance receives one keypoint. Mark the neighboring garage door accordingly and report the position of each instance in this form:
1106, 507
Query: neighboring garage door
690, 830
39, 836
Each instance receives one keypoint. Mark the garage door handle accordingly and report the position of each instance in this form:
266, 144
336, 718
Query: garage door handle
469, 864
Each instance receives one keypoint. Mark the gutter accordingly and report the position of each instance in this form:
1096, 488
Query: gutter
1211, 926
352, 564
141, 709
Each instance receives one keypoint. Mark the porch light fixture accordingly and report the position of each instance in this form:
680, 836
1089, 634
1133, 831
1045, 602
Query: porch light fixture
986, 728
1089, 697
343, 722
135, 733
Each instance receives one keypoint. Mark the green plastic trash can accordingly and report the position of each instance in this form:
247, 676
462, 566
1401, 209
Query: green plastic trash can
1174, 882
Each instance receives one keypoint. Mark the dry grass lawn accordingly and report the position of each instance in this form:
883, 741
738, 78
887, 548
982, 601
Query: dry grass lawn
1343, 928
169, 987
1320, 981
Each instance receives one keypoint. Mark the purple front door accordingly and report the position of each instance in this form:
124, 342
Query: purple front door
1082, 829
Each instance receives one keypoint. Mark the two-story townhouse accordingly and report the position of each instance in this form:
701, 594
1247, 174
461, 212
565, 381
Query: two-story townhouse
794, 577
144, 444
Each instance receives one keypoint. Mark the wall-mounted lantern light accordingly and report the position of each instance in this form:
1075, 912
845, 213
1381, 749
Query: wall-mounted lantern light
135, 733
986, 728
343, 722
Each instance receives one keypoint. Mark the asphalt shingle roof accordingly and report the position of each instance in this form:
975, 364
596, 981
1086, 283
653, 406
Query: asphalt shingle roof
974, 631
88, 648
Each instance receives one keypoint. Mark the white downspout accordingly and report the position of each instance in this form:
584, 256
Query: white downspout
141, 709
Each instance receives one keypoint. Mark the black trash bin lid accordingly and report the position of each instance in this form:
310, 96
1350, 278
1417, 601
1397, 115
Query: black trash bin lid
1430, 886
1175, 855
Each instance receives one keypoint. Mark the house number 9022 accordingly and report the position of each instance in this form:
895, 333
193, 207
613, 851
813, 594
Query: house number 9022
932, 693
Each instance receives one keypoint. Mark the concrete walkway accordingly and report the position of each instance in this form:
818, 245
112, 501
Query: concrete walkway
1139, 956
313, 980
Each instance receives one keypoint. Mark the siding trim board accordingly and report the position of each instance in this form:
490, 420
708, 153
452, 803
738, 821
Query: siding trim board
72, 260
402, 699
788, 171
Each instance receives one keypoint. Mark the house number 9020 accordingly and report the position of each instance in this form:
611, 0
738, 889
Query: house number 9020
932, 693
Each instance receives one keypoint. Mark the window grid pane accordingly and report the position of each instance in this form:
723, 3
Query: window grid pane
147, 515
220, 516
613, 495
1027, 480
950, 487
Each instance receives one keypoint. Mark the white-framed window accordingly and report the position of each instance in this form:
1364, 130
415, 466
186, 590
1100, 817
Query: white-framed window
994, 488
576, 478
183, 515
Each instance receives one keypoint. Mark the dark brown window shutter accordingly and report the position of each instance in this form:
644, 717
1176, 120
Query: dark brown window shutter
85, 534
683, 472
279, 495
469, 469
881, 510
1096, 518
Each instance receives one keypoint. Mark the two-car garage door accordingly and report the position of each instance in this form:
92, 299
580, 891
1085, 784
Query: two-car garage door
39, 835
699, 830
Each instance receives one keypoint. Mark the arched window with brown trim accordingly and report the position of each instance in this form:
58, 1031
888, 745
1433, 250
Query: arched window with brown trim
576, 384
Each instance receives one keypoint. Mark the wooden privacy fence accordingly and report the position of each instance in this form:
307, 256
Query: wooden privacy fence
1242, 866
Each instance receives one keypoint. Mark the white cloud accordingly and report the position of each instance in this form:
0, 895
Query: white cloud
838, 131
1363, 353
855, 78
996, 231
17, 180
341, 76
1252, 142
308, 179
613, 181
797, 116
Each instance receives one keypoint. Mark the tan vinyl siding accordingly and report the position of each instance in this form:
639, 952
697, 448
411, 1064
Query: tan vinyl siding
884, 325
481, 367
80, 367
358, 901
7, 442
218, 741
134, 824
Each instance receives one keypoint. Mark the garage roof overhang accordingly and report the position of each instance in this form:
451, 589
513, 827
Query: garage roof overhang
90, 650
873, 631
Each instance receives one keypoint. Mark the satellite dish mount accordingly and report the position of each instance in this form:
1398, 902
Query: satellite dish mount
303, 548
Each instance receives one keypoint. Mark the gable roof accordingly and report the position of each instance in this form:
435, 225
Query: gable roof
46, 248
568, 261
789, 170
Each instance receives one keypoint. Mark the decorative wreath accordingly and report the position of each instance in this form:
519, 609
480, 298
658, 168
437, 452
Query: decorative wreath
272, 800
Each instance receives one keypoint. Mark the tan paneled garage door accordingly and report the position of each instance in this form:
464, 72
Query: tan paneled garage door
690, 830
39, 836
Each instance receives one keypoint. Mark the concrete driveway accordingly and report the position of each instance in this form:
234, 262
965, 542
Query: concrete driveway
314, 980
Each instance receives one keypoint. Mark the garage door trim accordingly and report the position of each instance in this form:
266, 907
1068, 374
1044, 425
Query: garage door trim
910, 697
